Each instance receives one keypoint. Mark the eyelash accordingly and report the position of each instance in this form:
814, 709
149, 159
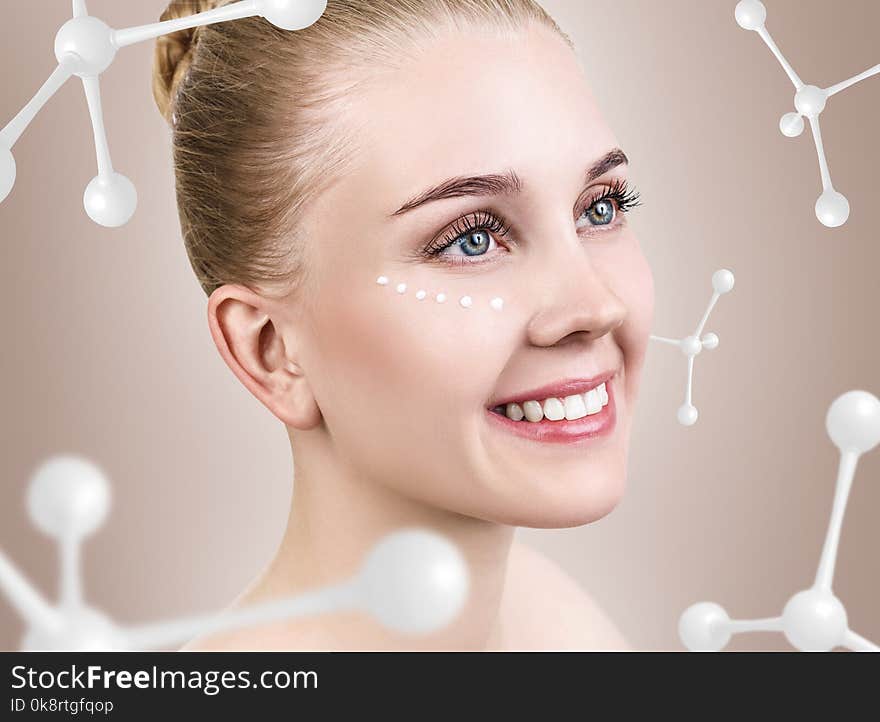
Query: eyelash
625, 199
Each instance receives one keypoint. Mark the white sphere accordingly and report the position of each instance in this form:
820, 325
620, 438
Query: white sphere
691, 346
7, 172
79, 630
110, 200
413, 581
853, 421
85, 45
702, 627
814, 621
292, 14
791, 125
832, 208
687, 415
750, 14
810, 100
68, 495
710, 340
722, 281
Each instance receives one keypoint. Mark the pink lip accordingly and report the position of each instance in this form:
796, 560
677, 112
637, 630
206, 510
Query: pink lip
564, 432
559, 389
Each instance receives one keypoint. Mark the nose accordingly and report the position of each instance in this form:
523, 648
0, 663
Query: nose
582, 306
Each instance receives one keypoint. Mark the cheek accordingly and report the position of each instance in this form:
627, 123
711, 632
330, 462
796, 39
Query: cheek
630, 276
638, 285
409, 368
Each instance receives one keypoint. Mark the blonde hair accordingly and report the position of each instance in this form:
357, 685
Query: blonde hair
252, 111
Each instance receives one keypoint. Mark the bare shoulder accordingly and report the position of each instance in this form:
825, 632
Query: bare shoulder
545, 608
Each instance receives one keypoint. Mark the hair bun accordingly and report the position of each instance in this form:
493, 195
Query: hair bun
174, 52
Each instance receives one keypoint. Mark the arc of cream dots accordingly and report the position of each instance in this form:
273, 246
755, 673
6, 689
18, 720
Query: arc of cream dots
466, 301
86, 46
813, 619
832, 207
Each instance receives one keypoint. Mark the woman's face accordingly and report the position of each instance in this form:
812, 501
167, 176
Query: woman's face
410, 388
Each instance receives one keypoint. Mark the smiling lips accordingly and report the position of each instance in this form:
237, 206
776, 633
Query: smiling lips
563, 413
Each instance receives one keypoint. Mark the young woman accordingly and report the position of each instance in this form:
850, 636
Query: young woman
409, 219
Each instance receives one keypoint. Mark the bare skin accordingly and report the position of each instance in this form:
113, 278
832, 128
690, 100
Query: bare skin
386, 399
522, 625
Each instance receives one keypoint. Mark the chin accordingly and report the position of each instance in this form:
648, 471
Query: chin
577, 504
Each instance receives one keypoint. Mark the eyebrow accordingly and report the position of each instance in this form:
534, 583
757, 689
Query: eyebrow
499, 183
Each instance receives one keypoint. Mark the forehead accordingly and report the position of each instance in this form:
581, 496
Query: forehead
473, 102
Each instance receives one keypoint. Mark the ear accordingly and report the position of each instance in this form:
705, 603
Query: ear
254, 348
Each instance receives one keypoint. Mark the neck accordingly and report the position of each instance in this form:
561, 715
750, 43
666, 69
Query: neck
337, 516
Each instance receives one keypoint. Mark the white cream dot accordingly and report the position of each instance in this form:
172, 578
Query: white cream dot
382, 280
441, 297
497, 303
420, 294
401, 288
466, 301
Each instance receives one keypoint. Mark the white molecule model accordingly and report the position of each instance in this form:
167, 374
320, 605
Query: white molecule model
413, 581
813, 619
86, 46
832, 207
722, 282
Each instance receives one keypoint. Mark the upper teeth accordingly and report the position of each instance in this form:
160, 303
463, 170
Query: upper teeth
554, 408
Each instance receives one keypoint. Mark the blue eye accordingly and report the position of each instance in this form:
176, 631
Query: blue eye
472, 236
477, 234
476, 243
601, 213
617, 198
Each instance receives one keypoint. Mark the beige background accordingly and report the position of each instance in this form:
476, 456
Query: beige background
106, 349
